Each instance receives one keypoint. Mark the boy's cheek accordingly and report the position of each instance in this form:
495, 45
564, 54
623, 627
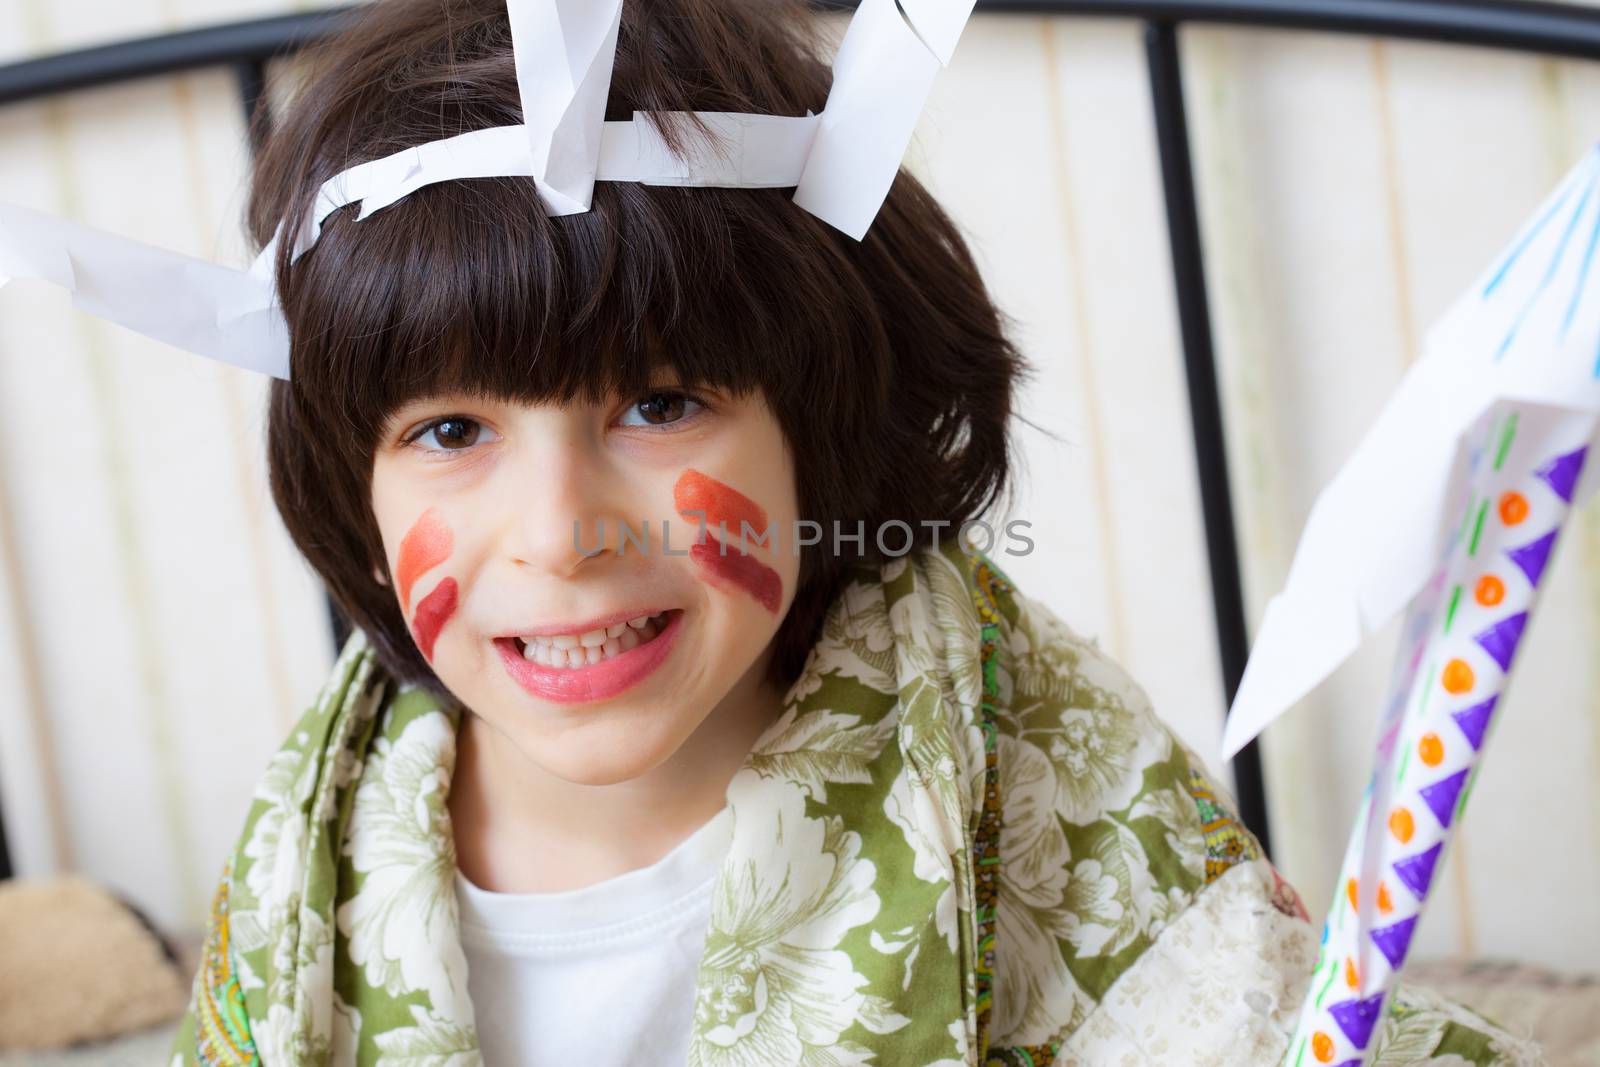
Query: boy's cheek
730, 566
433, 611
426, 545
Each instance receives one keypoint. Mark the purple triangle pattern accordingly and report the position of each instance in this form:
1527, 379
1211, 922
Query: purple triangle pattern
1357, 1017
1441, 796
1474, 721
1394, 941
1500, 640
1351, 1063
1561, 473
1417, 871
1533, 556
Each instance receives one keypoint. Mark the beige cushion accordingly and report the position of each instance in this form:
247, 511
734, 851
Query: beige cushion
78, 965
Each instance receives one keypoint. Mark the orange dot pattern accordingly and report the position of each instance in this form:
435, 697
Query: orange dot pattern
1402, 825
1457, 677
1513, 508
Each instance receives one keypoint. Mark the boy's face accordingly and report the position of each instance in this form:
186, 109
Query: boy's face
597, 658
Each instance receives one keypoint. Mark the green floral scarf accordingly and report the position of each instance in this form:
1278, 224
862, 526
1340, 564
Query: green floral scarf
872, 908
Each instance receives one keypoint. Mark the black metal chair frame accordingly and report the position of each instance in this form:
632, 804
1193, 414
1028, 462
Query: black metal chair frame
1512, 25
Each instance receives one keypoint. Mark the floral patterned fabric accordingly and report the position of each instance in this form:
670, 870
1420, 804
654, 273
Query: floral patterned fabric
966, 841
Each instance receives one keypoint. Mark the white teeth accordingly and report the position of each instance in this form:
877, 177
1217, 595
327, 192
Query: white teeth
592, 646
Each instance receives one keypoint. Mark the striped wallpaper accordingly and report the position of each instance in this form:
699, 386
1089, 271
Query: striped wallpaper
158, 633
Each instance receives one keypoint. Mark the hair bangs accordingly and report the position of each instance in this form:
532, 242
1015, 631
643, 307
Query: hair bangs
468, 287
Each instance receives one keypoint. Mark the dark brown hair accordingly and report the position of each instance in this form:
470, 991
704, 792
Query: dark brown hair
884, 361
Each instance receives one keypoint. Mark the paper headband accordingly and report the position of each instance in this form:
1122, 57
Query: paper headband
841, 163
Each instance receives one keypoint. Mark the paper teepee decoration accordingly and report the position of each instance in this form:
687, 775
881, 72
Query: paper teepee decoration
1450, 508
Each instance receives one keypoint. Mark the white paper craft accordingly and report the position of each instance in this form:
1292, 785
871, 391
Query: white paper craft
841, 164
1451, 507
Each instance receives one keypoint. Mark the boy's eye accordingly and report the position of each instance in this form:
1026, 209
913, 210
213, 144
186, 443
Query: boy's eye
449, 434
662, 407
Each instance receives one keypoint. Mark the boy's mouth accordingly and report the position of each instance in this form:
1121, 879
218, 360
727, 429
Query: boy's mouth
546, 668
571, 651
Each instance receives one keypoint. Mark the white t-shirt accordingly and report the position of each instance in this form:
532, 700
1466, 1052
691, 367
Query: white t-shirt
603, 974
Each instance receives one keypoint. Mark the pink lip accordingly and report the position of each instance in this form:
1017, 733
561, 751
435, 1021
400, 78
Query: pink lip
597, 681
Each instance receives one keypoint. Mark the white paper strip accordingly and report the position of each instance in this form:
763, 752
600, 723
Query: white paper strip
753, 152
564, 53
881, 78
200, 307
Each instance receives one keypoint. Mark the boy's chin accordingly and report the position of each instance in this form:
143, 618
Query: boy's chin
597, 753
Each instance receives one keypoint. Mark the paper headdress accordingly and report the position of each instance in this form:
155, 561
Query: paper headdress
841, 164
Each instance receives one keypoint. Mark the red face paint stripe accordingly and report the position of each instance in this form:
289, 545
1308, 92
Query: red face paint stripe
746, 572
721, 503
426, 545
433, 612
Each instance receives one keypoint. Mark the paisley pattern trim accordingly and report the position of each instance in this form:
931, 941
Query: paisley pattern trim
222, 1024
988, 584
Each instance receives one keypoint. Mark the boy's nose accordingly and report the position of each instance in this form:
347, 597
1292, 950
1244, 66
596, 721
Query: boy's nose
569, 511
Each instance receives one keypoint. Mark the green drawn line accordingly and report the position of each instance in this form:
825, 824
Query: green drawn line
1505, 441
1427, 689
1477, 528
1465, 516
1450, 614
1333, 972
1301, 1055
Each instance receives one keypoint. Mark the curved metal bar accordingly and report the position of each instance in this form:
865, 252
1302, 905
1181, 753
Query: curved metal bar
1532, 26
233, 43
1205, 402
1519, 25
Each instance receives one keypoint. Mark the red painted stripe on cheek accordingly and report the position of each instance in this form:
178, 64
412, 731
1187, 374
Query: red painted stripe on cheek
426, 545
433, 612
746, 572
721, 503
